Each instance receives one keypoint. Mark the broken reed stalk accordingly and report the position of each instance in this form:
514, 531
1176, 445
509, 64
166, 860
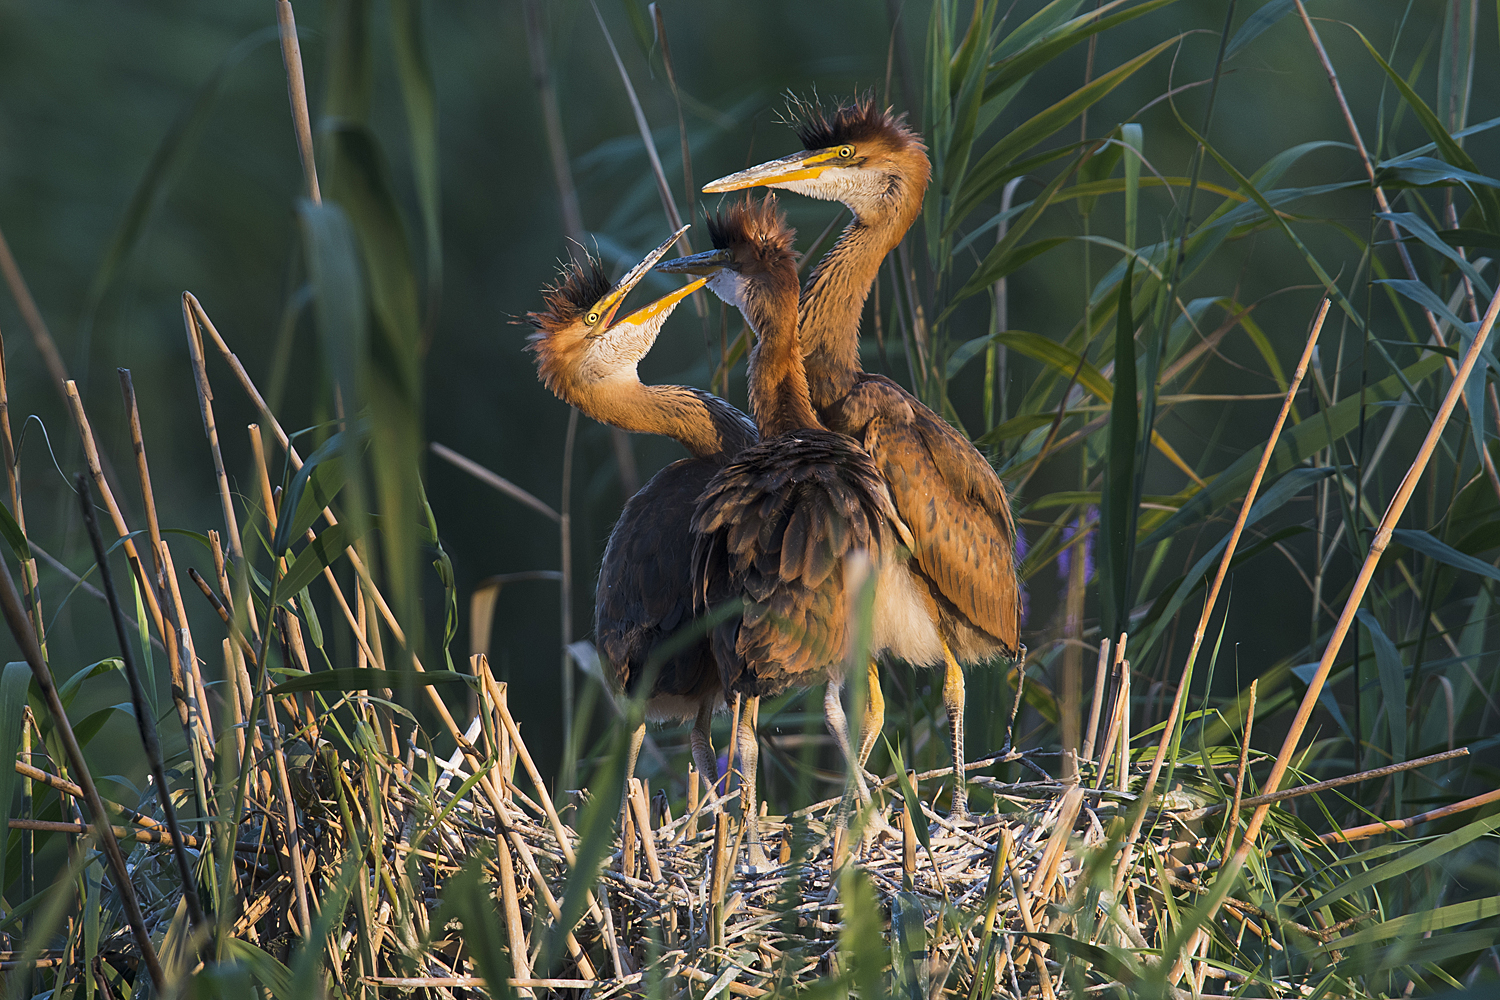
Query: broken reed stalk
1170, 723
1094, 708
143, 578
20, 627
1356, 597
1323, 786
170, 595
29, 578
296, 86
145, 714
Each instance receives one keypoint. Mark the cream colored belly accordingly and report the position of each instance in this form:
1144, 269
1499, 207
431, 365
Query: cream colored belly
904, 626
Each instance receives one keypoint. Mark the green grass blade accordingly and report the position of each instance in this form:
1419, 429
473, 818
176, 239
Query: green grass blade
1424, 855
350, 60
982, 182
323, 551
1392, 686
364, 678
1117, 505
596, 833
419, 95
14, 683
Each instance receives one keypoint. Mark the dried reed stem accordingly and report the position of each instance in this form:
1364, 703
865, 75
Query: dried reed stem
1323, 786
1170, 726
1396, 825
1094, 708
1023, 903
296, 86
143, 578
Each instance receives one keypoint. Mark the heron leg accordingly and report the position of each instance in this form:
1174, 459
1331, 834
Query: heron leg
637, 740
838, 725
874, 719
953, 700
749, 750
703, 748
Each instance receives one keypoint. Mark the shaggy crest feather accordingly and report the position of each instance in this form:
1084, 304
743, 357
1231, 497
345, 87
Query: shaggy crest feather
860, 120
759, 224
559, 328
578, 286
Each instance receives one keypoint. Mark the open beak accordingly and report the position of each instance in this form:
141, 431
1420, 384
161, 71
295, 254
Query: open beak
663, 305
610, 304
804, 166
705, 263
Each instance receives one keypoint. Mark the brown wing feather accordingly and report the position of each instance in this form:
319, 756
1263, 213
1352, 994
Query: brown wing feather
948, 495
645, 595
773, 529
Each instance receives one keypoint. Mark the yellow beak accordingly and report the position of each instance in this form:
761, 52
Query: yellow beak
804, 166
612, 301
665, 304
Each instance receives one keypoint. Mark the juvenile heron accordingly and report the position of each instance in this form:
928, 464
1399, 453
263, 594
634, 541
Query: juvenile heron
943, 488
776, 526
588, 358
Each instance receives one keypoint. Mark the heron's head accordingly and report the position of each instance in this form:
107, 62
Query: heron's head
858, 154
752, 261
580, 336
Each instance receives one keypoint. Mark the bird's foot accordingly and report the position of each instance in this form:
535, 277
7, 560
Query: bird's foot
756, 862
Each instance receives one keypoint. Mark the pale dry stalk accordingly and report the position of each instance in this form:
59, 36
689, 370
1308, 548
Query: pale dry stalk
1094, 707
296, 86
143, 577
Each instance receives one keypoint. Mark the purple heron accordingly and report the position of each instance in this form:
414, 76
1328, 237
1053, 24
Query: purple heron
776, 526
963, 558
588, 358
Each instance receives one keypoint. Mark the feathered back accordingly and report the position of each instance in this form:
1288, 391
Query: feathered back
860, 121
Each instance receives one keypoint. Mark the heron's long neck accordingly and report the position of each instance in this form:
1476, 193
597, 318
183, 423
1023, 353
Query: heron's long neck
702, 423
834, 297
778, 384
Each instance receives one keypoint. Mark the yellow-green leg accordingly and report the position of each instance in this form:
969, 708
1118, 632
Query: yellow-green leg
953, 701
874, 719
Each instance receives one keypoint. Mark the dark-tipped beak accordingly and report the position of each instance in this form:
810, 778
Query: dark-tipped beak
610, 304
804, 166
704, 263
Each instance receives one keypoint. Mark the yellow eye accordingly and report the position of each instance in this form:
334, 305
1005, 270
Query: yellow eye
845, 152
592, 318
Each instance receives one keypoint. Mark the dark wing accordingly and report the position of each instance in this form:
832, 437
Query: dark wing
645, 586
950, 497
774, 529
